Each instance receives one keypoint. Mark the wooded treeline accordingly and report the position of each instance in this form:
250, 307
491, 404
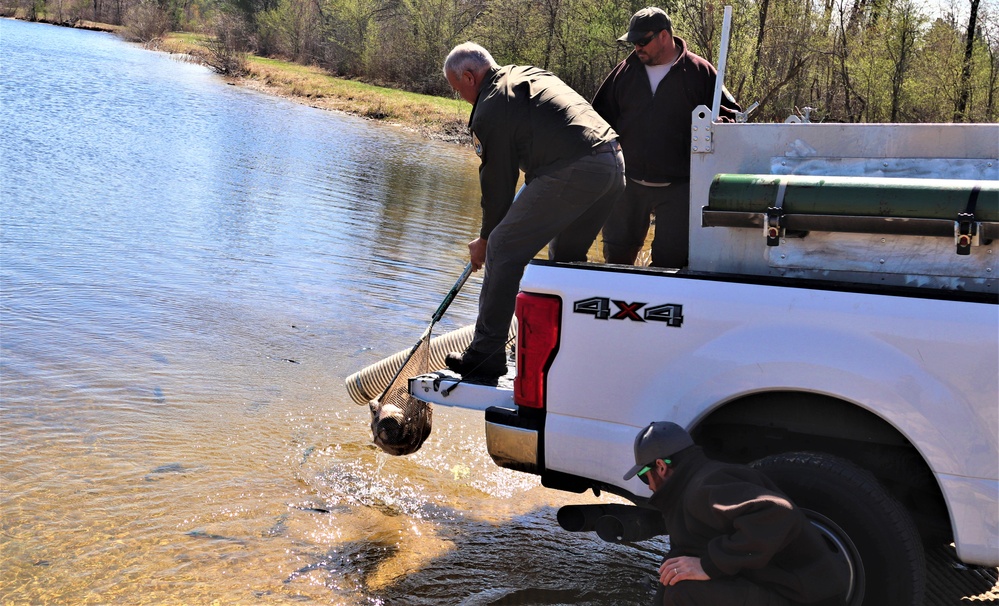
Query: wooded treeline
850, 60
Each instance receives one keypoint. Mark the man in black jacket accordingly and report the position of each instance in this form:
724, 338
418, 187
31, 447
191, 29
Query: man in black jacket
648, 99
734, 537
526, 119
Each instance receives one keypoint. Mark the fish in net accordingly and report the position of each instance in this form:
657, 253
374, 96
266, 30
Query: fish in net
400, 423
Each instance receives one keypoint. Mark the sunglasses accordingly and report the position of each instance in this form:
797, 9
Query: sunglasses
641, 473
641, 43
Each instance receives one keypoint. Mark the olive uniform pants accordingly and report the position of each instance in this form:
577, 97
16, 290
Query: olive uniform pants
564, 209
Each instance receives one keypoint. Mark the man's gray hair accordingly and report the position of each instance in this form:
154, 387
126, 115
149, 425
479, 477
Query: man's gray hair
467, 57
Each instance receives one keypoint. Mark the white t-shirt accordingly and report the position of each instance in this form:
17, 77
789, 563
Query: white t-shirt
656, 74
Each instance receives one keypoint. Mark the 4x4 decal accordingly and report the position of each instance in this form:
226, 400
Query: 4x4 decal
600, 308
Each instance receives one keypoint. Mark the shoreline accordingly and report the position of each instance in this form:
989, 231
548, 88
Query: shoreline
93, 26
435, 118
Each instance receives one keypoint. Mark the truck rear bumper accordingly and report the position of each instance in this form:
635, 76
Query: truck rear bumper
511, 447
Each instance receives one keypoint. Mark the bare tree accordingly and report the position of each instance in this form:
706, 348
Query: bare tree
227, 47
763, 8
900, 44
990, 39
960, 115
145, 22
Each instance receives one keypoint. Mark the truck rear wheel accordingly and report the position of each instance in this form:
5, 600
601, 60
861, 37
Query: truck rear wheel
862, 520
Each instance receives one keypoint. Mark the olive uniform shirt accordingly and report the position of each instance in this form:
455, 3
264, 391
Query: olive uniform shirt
526, 118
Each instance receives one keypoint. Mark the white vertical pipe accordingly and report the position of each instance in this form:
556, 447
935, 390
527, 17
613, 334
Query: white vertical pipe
722, 59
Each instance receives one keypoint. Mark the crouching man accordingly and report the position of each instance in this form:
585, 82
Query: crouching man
735, 538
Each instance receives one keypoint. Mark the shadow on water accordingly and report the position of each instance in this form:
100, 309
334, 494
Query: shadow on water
354, 559
528, 560
402, 532
488, 564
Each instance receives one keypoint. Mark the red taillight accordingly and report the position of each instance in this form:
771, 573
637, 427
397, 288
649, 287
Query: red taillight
537, 342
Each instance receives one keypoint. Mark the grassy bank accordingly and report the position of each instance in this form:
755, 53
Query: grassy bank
434, 117
10, 12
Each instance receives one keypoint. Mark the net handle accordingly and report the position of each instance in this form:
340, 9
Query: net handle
451, 294
433, 320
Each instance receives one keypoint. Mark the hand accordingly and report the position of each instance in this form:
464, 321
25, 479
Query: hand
683, 568
477, 253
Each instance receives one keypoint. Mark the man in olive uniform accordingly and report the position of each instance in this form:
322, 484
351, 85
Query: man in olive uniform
526, 119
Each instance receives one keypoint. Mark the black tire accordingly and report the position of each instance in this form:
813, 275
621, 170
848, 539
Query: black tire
873, 532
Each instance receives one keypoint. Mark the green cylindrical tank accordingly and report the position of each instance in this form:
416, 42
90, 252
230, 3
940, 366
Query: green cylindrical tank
857, 196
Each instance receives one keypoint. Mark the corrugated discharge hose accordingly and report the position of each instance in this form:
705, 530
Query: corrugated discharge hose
369, 383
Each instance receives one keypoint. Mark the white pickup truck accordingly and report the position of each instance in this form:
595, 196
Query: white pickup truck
837, 326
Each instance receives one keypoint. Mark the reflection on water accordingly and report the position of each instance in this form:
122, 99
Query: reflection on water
189, 271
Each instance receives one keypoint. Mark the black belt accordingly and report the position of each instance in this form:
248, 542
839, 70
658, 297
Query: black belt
606, 148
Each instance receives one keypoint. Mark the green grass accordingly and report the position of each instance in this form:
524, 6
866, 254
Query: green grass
436, 117
188, 38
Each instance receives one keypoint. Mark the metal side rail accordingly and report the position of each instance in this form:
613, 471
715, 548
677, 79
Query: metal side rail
447, 389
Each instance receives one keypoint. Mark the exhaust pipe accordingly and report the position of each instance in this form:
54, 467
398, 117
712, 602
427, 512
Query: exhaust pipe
613, 523
639, 524
580, 518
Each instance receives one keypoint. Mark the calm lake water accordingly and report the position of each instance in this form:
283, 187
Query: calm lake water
189, 271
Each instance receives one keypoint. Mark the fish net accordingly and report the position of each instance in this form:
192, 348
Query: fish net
400, 423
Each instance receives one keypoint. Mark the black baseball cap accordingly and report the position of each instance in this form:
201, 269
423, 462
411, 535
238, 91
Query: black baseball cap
659, 440
649, 19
